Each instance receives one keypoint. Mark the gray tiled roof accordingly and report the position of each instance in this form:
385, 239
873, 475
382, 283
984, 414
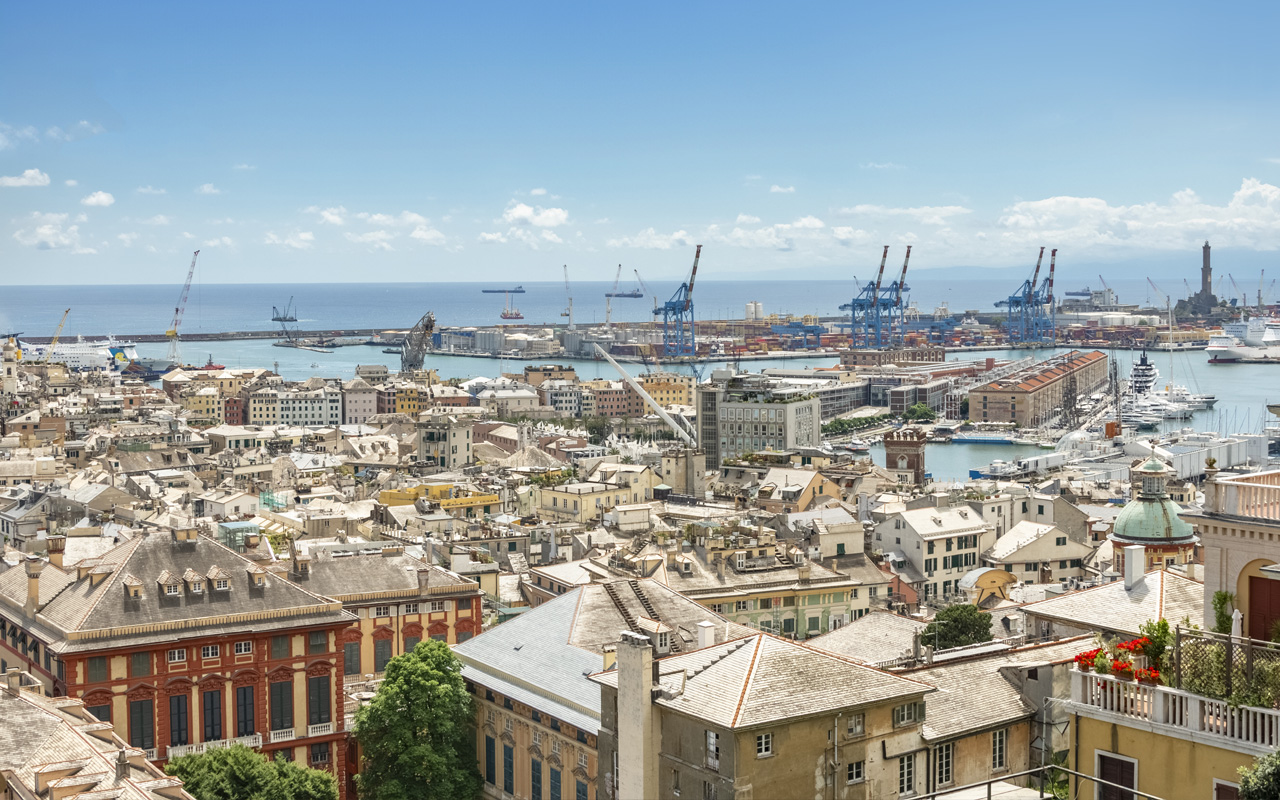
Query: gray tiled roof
1157, 595
972, 695
348, 577
872, 638
764, 679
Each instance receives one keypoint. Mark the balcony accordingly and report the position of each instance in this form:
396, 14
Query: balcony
1173, 712
282, 735
177, 751
323, 729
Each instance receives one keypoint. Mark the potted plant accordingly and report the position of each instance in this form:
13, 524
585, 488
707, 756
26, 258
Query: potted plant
1122, 669
1084, 661
1150, 676
1102, 663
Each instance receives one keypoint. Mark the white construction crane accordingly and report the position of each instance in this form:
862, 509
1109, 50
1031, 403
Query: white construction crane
685, 433
569, 294
645, 287
175, 351
608, 297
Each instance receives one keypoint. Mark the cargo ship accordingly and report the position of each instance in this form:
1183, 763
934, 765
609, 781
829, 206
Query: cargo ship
517, 290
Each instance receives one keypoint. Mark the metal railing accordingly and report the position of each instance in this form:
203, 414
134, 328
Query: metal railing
1243, 670
1044, 773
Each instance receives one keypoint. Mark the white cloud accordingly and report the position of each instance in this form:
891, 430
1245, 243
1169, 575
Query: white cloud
810, 222
405, 219
158, 219
81, 130
50, 232
496, 237
71, 182
186, 235
522, 214
773, 237
1268, 160
880, 165
30, 177
150, 190
652, 240
208, 188
102, 199
925, 215
747, 219
537, 192
551, 237
244, 166
127, 238
335, 215
10, 135
752, 177
298, 240
221, 241
378, 240
846, 236
602, 221
428, 234
776, 189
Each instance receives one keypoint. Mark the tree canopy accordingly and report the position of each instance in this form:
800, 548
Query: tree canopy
240, 773
417, 734
1262, 780
958, 625
920, 412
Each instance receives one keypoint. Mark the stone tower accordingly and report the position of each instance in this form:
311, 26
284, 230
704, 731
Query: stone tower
904, 452
1206, 274
9, 368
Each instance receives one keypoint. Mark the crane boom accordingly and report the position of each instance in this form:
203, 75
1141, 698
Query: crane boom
569, 294
880, 275
638, 389
902, 279
1053, 258
645, 287
1035, 276
182, 299
1104, 283
693, 276
617, 276
56, 335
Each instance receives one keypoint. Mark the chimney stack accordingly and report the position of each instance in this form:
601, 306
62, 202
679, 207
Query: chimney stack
637, 723
706, 634
34, 565
122, 765
57, 547
1135, 565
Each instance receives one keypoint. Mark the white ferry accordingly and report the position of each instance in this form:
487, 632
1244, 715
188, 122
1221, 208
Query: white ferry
1256, 339
108, 354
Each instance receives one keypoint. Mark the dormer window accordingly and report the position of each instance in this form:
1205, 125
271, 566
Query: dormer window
172, 589
221, 584
197, 587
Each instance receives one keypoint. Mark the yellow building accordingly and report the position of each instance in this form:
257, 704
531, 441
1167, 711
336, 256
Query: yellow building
1160, 740
580, 502
454, 499
205, 406
668, 388
397, 599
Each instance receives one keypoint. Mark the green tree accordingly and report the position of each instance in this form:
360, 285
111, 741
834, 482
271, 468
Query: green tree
920, 412
239, 773
964, 406
958, 625
1262, 780
417, 734
597, 428
1224, 603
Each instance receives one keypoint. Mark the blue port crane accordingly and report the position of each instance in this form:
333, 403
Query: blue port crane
1031, 316
677, 317
876, 308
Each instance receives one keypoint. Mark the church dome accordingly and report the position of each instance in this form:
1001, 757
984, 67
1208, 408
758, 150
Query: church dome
1151, 517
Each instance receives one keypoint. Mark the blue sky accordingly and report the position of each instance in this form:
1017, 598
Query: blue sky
338, 142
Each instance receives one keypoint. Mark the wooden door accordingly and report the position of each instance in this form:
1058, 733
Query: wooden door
1116, 770
1264, 607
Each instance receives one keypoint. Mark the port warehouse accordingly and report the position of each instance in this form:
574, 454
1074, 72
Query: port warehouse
1031, 396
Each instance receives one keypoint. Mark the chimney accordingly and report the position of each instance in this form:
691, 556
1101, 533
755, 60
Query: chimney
122, 765
1135, 564
706, 634
34, 565
720, 567
57, 547
637, 723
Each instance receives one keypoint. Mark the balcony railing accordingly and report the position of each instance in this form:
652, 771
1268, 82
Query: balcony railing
217, 744
282, 735
323, 729
1179, 713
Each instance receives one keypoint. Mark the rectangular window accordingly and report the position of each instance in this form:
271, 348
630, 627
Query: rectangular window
140, 665
998, 740
179, 721
281, 697
97, 669
176, 656
318, 700
1061, 541
942, 757
280, 647
101, 713
382, 611
320, 753
317, 642
857, 724
142, 724
508, 769
210, 651
1120, 771
555, 784
907, 775
381, 654
244, 648
490, 761
211, 715
856, 772
410, 642
713, 750
764, 745
244, 711
351, 658
908, 714
535, 779
411, 608
436, 606
580, 791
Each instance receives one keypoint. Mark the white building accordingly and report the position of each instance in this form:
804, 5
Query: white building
942, 544
359, 401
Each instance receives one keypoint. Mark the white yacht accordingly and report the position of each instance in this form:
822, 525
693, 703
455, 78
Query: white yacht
1142, 376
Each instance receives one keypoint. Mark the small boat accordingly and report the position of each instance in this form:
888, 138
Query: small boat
286, 314
210, 366
393, 351
511, 313
517, 290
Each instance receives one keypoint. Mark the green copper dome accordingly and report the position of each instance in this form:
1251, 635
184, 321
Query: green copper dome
1152, 516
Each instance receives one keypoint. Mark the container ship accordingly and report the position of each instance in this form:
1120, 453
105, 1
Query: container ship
517, 290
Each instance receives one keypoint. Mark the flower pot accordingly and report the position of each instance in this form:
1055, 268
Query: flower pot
1148, 681
1084, 667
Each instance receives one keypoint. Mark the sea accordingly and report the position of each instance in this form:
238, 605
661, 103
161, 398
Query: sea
1243, 390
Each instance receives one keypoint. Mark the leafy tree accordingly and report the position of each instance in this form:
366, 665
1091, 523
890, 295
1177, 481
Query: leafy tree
1224, 603
920, 412
964, 406
239, 773
958, 625
1160, 636
417, 734
1262, 780
597, 428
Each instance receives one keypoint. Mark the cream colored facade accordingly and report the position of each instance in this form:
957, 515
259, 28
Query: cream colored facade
668, 388
536, 739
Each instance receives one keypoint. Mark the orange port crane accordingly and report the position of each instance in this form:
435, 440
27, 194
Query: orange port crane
175, 351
